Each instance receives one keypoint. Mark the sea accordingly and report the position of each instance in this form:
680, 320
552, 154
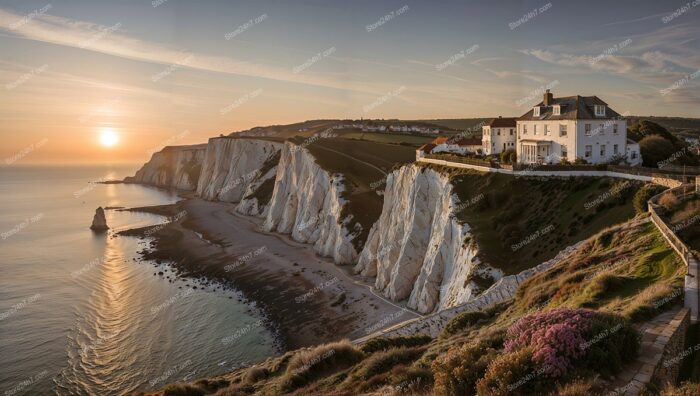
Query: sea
82, 314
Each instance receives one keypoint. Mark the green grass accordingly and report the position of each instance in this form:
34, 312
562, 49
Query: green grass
391, 138
521, 222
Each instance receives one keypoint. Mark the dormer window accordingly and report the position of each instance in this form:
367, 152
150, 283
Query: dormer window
556, 110
600, 110
536, 111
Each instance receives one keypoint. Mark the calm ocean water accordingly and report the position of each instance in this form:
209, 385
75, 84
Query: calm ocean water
79, 315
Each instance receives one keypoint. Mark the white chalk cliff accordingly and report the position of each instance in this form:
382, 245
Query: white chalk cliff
417, 250
307, 204
172, 167
232, 164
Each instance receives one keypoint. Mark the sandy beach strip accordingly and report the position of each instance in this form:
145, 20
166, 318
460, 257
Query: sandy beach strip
306, 299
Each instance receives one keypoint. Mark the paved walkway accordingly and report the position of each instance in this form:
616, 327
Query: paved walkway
655, 336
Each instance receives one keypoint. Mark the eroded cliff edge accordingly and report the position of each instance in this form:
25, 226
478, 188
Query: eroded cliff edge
417, 250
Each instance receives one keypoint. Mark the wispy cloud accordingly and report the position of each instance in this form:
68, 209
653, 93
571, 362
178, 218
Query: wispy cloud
113, 41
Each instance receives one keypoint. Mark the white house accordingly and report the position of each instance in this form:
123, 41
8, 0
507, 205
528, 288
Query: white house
456, 146
573, 127
498, 135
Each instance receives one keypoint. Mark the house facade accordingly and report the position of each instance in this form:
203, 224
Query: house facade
498, 135
460, 146
572, 127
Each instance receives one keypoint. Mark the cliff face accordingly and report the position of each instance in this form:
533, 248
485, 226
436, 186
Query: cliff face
417, 250
230, 166
306, 203
173, 167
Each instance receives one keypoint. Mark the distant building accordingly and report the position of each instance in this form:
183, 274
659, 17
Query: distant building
498, 135
573, 127
457, 146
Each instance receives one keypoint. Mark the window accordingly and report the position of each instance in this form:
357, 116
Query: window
634, 155
587, 129
602, 150
536, 111
599, 110
564, 151
601, 129
589, 151
546, 129
534, 129
562, 130
615, 129
498, 132
556, 110
511, 131
524, 129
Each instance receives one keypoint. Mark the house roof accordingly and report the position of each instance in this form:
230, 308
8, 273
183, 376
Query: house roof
572, 108
440, 140
501, 122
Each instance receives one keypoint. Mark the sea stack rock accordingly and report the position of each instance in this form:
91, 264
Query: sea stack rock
99, 223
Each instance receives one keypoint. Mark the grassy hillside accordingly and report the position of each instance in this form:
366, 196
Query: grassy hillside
519, 222
460, 124
620, 276
393, 138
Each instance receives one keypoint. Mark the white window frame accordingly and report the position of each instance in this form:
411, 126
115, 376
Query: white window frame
534, 129
615, 129
602, 129
563, 130
588, 153
600, 110
524, 129
546, 130
602, 151
536, 111
587, 129
615, 149
556, 110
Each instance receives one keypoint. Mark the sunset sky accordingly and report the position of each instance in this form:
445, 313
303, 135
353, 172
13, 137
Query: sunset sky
151, 73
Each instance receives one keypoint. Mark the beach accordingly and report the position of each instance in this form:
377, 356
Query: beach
306, 299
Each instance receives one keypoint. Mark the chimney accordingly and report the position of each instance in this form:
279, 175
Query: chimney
548, 98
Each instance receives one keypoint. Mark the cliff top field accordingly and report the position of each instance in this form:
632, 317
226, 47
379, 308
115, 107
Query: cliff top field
621, 275
519, 222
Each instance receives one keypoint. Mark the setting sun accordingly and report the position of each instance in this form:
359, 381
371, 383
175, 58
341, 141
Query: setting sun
108, 137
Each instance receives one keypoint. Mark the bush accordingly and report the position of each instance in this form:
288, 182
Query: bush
383, 343
668, 201
655, 150
307, 365
512, 374
565, 340
644, 194
580, 387
410, 379
509, 156
183, 390
382, 362
462, 321
457, 371
255, 374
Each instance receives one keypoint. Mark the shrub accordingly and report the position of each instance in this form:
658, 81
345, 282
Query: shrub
655, 150
309, 364
384, 361
509, 156
457, 371
563, 340
410, 379
182, 390
668, 201
644, 194
512, 374
383, 343
462, 321
255, 374
580, 387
